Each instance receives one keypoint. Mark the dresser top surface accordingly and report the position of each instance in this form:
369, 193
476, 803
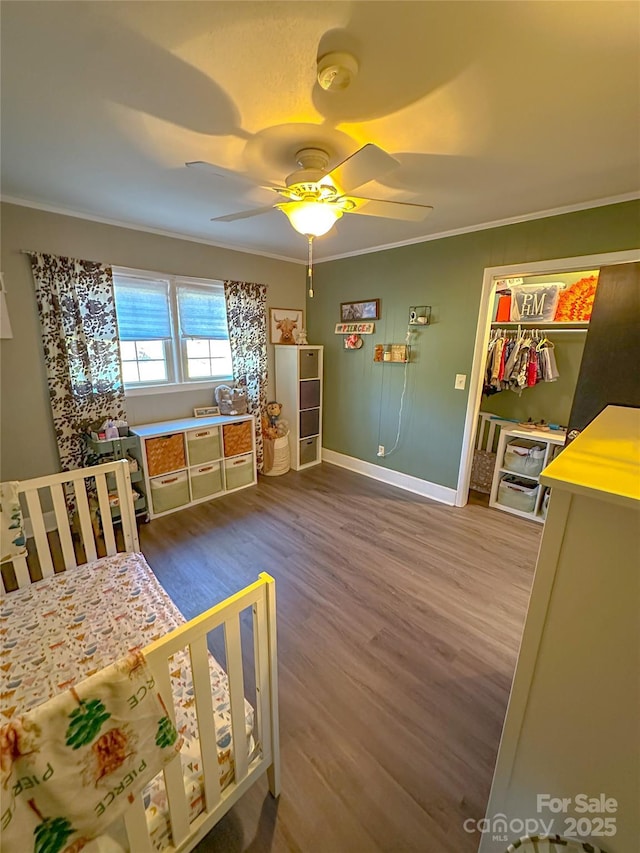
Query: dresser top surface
603, 461
184, 424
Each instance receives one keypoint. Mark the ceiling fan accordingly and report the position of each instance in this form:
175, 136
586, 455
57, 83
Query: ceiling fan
316, 199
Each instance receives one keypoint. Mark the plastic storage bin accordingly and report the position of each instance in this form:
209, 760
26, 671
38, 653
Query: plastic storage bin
237, 438
206, 480
238, 471
524, 457
203, 445
518, 494
169, 492
165, 453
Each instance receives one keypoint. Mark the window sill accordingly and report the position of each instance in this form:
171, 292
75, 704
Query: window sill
174, 387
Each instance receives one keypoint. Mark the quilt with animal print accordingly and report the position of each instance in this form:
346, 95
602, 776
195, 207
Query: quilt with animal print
72, 765
62, 629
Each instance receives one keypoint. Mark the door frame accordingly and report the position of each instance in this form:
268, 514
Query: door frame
483, 328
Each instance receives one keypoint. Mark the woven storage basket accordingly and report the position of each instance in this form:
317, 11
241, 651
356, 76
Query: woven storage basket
237, 438
165, 453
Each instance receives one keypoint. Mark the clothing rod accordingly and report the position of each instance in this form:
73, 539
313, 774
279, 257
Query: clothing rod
541, 329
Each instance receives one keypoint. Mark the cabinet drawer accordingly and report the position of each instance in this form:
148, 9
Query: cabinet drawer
309, 422
165, 453
237, 438
203, 445
238, 472
310, 394
169, 492
308, 363
206, 480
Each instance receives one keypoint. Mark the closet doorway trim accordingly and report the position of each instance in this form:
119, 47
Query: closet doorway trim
483, 329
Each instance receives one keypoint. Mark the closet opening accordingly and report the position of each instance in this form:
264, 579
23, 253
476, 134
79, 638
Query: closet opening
530, 339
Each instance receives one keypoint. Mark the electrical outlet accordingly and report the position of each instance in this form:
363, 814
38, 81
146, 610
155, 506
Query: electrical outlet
461, 380
381, 450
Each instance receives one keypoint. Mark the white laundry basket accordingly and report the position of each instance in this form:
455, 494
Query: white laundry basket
281, 457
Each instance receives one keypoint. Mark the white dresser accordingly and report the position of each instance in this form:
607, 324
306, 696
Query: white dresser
195, 459
572, 725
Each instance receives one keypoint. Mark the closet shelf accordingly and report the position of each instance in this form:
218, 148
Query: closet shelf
518, 474
548, 326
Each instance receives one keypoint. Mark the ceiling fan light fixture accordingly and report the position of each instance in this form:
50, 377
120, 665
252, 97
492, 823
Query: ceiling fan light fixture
311, 218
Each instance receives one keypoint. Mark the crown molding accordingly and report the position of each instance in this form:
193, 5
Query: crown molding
118, 223
485, 226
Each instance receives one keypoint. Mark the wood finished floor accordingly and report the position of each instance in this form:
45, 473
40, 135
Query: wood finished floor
399, 621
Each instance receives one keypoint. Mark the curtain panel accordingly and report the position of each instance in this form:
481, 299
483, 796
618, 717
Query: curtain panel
246, 319
80, 342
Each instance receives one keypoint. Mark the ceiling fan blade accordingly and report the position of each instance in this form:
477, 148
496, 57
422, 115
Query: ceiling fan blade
243, 214
221, 172
366, 164
390, 209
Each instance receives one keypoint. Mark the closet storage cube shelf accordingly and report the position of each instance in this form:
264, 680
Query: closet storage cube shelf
193, 460
299, 390
533, 494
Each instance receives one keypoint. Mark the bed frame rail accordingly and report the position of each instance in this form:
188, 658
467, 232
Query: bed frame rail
260, 597
53, 491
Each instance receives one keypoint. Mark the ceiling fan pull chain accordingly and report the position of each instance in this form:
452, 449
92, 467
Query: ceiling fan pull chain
310, 268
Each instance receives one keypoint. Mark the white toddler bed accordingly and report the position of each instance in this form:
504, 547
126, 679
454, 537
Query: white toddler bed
71, 624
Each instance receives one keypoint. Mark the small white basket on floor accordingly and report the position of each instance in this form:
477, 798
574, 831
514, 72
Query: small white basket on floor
281, 457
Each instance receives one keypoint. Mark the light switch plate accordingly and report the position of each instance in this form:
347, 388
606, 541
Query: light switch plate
461, 380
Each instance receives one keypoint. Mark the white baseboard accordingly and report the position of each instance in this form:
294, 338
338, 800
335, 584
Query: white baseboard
442, 494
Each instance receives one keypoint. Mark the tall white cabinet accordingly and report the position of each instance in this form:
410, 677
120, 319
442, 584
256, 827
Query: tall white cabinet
572, 722
299, 389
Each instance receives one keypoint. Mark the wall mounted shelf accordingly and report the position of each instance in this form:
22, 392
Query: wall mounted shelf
392, 353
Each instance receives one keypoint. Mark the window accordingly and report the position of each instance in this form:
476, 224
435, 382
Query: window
172, 330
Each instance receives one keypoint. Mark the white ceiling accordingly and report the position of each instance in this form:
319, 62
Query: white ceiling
494, 109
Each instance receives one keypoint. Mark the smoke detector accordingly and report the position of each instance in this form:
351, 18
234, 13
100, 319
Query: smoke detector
336, 71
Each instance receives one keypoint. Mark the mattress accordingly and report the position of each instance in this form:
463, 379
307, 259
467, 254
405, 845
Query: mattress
64, 628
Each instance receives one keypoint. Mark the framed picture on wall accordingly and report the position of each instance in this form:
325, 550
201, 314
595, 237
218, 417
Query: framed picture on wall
285, 324
368, 310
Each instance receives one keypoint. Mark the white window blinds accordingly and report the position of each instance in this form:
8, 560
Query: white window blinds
202, 312
143, 310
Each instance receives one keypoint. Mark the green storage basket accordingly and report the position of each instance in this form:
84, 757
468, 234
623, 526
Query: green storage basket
203, 445
239, 471
169, 492
206, 481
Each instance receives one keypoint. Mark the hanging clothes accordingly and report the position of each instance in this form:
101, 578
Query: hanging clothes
518, 360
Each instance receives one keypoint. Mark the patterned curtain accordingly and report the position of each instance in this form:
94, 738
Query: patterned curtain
80, 341
246, 318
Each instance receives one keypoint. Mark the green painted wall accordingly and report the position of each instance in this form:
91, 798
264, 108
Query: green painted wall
361, 399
